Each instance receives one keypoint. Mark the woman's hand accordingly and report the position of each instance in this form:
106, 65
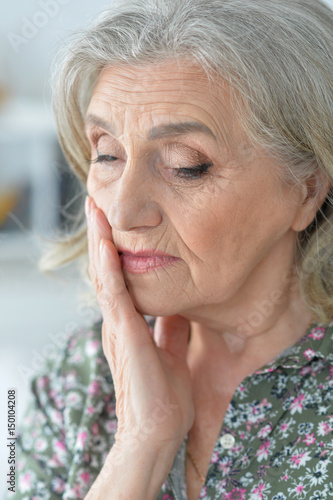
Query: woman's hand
154, 403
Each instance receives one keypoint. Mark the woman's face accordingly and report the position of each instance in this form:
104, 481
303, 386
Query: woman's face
226, 221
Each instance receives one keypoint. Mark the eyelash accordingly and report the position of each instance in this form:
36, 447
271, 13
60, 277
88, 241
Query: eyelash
191, 173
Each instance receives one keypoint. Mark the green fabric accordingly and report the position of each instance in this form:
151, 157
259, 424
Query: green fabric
280, 417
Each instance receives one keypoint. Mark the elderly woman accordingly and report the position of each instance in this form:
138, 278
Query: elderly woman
202, 132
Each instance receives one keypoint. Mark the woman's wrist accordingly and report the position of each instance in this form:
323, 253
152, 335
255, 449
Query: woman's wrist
133, 473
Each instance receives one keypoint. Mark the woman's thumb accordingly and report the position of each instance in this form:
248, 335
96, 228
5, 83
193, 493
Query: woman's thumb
172, 334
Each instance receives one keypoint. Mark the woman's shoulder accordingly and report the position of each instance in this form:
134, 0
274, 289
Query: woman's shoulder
70, 422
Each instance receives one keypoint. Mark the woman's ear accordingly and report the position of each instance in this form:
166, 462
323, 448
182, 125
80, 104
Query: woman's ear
314, 193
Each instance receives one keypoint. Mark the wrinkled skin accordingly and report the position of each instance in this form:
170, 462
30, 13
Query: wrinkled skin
233, 229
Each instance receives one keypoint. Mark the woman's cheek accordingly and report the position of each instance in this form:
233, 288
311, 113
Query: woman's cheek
94, 185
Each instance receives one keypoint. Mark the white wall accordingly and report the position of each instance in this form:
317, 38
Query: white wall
24, 66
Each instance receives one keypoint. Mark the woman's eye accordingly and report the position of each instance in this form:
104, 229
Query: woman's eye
184, 173
104, 158
192, 172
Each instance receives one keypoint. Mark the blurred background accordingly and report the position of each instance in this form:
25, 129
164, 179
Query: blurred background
36, 189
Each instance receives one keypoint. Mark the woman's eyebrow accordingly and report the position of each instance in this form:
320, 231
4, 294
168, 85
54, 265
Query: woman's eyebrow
166, 130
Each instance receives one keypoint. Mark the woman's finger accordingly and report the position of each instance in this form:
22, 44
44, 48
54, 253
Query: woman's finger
88, 210
115, 301
116, 297
102, 225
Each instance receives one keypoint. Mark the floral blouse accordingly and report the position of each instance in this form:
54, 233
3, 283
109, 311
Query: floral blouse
275, 443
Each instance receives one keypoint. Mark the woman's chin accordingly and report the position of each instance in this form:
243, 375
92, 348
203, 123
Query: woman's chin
156, 298
152, 305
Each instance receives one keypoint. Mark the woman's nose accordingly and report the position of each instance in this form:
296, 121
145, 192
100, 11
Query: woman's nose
134, 200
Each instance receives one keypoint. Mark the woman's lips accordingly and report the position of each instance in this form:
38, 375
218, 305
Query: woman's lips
142, 262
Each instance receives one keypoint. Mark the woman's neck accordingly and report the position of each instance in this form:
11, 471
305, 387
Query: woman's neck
230, 355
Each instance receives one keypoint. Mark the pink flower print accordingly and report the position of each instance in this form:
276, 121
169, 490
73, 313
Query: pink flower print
264, 403
166, 497
90, 410
214, 457
59, 457
324, 428
42, 382
75, 492
323, 453
74, 398
255, 410
225, 465
56, 417
59, 401
58, 485
111, 426
81, 439
92, 347
309, 439
93, 389
263, 451
40, 444
70, 380
297, 404
258, 491
265, 431
95, 428
244, 460
317, 333
52, 393
305, 370
300, 459
111, 409
85, 476
299, 489
309, 354
55, 461
25, 482
284, 426
203, 492
235, 494
285, 478
60, 446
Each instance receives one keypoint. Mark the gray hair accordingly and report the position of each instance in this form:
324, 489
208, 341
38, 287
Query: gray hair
276, 55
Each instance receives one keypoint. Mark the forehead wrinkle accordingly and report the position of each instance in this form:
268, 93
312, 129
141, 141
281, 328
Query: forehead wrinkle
222, 127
